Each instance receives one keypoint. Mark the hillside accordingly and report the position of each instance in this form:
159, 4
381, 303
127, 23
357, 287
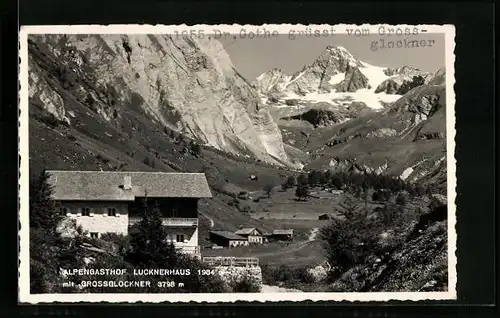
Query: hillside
189, 86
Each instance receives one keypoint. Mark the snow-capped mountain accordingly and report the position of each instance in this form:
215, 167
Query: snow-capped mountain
336, 78
346, 112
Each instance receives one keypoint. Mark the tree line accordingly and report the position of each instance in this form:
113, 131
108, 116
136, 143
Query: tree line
352, 182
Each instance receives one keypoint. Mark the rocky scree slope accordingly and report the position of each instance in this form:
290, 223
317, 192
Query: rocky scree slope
189, 86
419, 264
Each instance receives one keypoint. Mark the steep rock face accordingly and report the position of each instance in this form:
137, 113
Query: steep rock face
188, 85
354, 80
43, 95
400, 77
272, 81
319, 75
422, 102
439, 78
317, 117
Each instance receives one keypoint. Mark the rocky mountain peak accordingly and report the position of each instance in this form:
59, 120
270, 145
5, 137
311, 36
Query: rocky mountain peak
439, 78
403, 70
336, 59
353, 81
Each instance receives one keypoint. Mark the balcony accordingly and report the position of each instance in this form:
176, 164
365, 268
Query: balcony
180, 222
171, 222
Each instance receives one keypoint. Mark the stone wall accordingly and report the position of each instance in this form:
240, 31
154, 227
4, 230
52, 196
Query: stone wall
234, 273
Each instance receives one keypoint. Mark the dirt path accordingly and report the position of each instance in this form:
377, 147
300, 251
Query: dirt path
313, 234
277, 289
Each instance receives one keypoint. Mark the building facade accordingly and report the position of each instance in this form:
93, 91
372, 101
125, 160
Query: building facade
111, 202
227, 239
253, 235
281, 235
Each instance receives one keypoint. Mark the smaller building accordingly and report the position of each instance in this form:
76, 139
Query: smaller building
324, 216
253, 235
281, 235
227, 239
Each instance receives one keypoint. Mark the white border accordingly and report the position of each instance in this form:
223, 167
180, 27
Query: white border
24, 285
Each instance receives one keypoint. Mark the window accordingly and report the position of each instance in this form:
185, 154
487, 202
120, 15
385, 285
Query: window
111, 212
94, 235
85, 211
63, 211
180, 238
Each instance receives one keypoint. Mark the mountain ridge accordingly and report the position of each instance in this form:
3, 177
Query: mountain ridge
188, 85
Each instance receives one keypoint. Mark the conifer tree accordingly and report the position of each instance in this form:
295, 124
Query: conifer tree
43, 213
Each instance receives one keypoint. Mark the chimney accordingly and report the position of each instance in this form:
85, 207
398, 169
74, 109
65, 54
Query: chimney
127, 183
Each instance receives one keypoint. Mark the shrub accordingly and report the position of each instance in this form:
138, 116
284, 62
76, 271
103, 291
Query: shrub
349, 241
291, 181
381, 196
302, 191
268, 189
245, 284
121, 243
244, 208
301, 179
420, 191
284, 186
194, 148
274, 275
49, 120
401, 199
326, 177
314, 177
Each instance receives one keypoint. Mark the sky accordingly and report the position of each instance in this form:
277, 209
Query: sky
252, 57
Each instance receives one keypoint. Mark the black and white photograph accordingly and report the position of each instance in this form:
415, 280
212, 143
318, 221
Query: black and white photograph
228, 162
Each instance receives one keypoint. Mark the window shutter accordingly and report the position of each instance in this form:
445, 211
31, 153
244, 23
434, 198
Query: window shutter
91, 212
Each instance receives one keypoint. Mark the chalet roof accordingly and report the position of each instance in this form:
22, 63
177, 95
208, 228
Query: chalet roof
283, 232
246, 231
109, 185
228, 235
